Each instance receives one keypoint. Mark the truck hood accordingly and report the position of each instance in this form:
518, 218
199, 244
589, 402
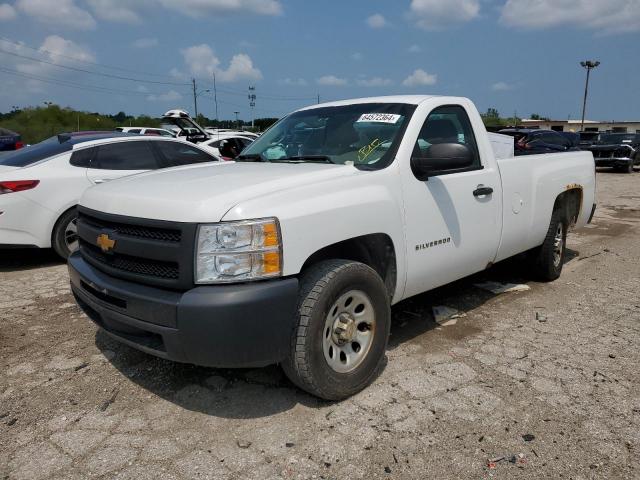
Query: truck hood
203, 193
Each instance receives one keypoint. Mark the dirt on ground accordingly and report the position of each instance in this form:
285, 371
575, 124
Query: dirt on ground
539, 383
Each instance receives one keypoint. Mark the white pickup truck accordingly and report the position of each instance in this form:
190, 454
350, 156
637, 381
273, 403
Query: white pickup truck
295, 252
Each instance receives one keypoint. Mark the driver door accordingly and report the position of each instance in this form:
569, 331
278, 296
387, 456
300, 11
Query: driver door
451, 231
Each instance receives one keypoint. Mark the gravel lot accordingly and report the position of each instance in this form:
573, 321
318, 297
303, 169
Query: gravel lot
544, 383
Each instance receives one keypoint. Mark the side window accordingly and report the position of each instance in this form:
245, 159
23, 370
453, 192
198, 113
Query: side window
448, 124
134, 130
178, 153
126, 156
83, 158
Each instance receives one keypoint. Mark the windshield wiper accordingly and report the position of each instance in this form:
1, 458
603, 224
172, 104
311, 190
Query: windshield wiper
253, 157
308, 158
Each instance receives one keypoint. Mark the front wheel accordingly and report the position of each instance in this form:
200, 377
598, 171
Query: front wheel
65, 234
547, 259
344, 316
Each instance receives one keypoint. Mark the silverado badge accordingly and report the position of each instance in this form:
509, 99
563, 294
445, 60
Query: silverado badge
105, 243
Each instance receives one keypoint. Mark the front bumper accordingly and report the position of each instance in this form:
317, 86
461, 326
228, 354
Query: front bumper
246, 325
613, 162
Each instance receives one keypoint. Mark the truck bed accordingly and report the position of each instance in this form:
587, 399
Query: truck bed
530, 184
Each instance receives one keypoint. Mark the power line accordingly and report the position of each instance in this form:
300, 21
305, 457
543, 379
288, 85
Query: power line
78, 60
68, 83
76, 69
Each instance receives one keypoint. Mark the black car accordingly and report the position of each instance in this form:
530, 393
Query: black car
533, 141
10, 140
587, 139
618, 150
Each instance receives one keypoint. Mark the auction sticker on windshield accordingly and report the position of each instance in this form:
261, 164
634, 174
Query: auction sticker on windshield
379, 117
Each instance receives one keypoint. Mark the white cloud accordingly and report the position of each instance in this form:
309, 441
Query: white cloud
196, 8
331, 81
58, 13
377, 21
202, 62
374, 82
56, 50
420, 78
357, 56
145, 43
611, 16
114, 10
170, 96
501, 87
7, 12
414, 48
437, 14
293, 82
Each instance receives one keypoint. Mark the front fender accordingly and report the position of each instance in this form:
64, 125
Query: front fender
322, 214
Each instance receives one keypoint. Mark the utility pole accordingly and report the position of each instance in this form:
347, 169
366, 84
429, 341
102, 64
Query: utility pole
237, 121
215, 99
318, 98
252, 103
588, 65
195, 97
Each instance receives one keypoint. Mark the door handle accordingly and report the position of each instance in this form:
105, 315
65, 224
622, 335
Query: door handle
482, 191
101, 180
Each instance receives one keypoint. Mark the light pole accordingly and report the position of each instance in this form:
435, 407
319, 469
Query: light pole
237, 121
588, 65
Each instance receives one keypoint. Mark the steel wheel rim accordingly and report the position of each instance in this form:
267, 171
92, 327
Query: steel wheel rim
348, 332
71, 235
558, 245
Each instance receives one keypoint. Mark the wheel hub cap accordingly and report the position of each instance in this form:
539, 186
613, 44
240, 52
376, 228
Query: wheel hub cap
349, 331
344, 329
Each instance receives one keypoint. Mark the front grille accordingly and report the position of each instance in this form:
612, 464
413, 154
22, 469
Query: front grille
151, 233
146, 251
127, 263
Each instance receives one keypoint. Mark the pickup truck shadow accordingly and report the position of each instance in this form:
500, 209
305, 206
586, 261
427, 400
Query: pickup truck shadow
20, 259
262, 392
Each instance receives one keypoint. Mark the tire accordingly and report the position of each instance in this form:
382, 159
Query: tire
338, 346
628, 168
547, 259
64, 239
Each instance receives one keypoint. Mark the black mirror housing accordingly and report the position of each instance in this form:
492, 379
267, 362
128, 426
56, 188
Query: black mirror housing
442, 157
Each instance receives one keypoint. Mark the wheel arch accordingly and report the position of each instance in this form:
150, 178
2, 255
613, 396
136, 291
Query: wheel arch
58, 219
375, 250
570, 201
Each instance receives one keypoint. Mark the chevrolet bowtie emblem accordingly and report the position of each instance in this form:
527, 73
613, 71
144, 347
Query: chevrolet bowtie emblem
105, 243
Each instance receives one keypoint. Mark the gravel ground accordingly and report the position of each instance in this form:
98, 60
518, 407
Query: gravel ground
542, 383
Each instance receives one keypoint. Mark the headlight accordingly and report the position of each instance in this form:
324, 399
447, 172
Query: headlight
238, 251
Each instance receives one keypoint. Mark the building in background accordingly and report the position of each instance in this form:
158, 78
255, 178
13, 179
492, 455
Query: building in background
589, 126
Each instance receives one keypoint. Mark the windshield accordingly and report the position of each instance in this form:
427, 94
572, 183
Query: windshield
366, 135
34, 153
617, 138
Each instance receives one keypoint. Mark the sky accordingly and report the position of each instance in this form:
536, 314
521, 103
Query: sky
139, 56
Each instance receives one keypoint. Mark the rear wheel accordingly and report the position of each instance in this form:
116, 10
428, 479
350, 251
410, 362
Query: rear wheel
628, 168
547, 259
338, 347
65, 234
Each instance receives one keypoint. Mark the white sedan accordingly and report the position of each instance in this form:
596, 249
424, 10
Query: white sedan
40, 185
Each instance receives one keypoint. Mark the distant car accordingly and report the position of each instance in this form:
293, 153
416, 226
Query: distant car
224, 131
9, 140
618, 150
40, 185
587, 139
227, 146
534, 141
146, 131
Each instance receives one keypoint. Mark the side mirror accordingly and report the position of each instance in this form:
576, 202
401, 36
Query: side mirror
442, 157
